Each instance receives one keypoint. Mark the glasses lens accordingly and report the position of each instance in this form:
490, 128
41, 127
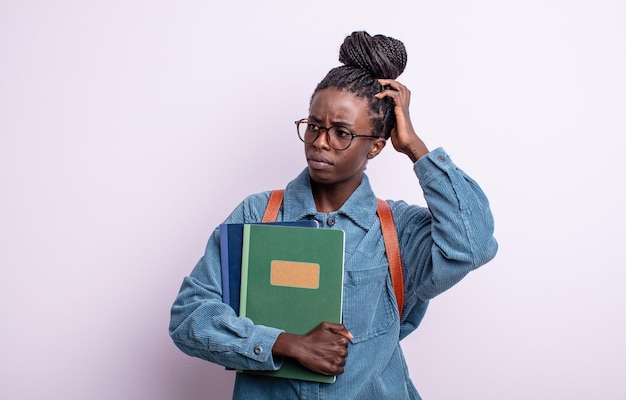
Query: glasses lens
307, 132
340, 138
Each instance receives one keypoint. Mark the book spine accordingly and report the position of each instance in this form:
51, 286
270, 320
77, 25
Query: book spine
224, 261
243, 293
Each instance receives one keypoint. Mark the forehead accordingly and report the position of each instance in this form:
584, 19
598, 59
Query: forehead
338, 105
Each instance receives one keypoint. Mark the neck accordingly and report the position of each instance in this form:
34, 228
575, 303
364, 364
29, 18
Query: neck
330, 197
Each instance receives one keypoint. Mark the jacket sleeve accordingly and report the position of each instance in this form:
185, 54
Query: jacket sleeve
202, 326
444, 242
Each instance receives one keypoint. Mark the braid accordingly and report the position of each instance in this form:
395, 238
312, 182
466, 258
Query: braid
366, 59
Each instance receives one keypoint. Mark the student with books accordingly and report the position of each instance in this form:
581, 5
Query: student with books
354, 111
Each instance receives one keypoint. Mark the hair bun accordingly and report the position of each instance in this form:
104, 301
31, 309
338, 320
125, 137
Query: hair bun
382, 56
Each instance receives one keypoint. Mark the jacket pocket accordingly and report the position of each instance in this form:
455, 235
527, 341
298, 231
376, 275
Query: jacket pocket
368, 306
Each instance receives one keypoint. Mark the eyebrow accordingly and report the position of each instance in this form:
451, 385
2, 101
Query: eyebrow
333, 123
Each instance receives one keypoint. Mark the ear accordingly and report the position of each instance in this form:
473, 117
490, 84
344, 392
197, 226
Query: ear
377, 146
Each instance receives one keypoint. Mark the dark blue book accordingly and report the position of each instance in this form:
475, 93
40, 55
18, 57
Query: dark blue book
231, 242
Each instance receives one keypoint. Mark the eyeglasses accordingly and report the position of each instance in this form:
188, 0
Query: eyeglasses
339, 138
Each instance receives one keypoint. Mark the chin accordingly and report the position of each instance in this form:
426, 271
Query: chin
318, 177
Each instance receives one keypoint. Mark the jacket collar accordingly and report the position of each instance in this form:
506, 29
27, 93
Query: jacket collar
298, 202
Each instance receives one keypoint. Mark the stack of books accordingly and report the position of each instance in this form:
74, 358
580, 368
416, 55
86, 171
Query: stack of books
286, 275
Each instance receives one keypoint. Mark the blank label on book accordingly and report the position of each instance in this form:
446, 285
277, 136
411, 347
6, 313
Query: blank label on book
295, 274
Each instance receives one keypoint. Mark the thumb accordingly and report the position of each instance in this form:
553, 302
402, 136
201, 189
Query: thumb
342, 331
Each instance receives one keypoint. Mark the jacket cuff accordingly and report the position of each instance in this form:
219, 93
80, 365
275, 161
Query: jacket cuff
259, 348
432, 165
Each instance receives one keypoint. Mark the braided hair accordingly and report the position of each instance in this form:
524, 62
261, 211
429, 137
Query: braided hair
366, 59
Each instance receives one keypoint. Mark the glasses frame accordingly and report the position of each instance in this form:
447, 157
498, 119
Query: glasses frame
327, 129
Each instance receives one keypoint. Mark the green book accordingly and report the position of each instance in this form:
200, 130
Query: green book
292, 279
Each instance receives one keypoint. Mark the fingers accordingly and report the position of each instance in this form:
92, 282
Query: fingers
394, 89
324, 349
392, 83
337, 363
338, 329
337, 367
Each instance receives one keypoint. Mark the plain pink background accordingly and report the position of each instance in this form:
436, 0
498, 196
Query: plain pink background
130, 129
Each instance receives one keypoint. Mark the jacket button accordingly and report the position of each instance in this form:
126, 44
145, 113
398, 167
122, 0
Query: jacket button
331, 221
258, 350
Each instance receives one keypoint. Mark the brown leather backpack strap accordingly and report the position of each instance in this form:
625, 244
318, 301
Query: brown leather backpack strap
392, 247
273, 206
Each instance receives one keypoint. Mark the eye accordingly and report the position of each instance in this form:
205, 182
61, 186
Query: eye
342, 133
313, 127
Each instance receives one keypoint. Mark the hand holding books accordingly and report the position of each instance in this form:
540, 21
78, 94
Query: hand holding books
323, 350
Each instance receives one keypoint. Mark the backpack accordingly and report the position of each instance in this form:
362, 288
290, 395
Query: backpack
390, 237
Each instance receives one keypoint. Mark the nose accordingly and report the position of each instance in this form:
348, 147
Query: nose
322, 140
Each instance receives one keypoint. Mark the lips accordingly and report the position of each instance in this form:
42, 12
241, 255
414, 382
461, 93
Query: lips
318, 161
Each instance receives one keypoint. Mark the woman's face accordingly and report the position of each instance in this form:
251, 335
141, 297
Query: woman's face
335, 108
